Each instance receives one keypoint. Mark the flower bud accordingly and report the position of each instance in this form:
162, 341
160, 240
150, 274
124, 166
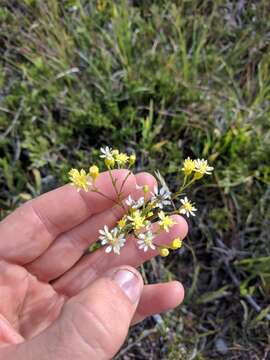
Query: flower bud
163, 251
115, 152
176, 244
94, 172
109, 162
132, 159
145, 189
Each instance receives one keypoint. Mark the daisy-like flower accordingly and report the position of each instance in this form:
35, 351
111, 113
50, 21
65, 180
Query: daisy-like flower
161, 197
187, 207
113, 238
121, 158
146, 241
79, 179
202, 167
137, 220
134, 204
189, 166
106, 153
165, 222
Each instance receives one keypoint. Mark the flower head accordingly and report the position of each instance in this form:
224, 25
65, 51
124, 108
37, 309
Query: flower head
187, 207
122, 222
202, 167
189, 166
165, 222
137, 220
94, 172
134, 204
79, 179
107, 154
146, 241
132, 159
163, 251
121, 159
176, 244
161, 197
114, 238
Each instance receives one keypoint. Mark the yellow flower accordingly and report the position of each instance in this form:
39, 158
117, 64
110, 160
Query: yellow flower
189, 166
165, 222
79, 179
94, 172
137, 220
202, 168
115, 152
110, 162
121, 158
163, 251
176, 244
122, 222
132, 159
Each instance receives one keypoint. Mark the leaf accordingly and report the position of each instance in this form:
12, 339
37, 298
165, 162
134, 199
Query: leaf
211, 296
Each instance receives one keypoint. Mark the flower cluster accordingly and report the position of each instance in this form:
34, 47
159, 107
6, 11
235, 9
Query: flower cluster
147, 215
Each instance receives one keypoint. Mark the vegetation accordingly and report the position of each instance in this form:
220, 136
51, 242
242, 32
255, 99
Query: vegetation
167, 79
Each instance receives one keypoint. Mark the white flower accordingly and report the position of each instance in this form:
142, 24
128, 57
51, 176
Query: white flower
106, 153
113, 238
187, 207
202, 167
162, 197
146, 241
135, 204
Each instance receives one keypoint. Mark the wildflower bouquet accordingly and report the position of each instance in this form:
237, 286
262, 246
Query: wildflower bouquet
156, 206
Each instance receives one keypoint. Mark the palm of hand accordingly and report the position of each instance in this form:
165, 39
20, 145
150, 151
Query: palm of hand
43, 264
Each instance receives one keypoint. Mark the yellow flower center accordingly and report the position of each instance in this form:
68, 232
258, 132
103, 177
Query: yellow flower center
188, 206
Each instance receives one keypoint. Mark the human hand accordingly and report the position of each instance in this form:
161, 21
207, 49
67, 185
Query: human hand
58, 302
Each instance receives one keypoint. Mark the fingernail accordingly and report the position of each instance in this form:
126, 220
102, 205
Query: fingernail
129, 283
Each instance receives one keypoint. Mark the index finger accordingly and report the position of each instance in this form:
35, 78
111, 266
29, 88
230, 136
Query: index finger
27, 232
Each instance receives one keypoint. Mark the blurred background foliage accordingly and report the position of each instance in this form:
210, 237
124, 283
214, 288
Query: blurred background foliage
167, 79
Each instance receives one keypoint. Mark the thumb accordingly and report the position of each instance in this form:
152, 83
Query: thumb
92, 325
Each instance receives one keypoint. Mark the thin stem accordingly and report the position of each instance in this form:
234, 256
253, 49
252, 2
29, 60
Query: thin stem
115, 188
123, 183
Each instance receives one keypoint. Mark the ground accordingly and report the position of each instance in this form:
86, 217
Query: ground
167, 79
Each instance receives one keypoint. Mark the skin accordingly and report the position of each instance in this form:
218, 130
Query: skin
58, 302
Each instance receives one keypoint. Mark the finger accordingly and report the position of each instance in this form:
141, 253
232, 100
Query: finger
67, 249
33, 227
93, 265
158, 298
93, 324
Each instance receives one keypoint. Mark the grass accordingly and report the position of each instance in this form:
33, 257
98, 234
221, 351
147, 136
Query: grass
169, 80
